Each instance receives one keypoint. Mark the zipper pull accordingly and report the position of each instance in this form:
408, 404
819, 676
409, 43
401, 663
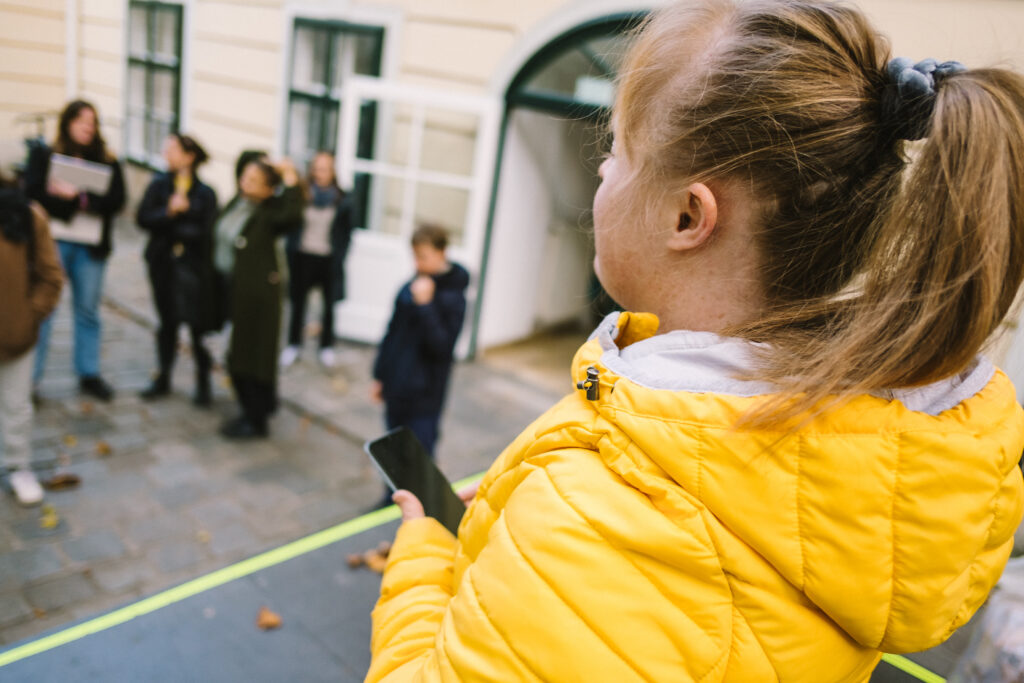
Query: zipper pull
591, 384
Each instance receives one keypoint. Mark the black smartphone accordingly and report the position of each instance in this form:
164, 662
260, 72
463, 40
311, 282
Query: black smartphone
404, 464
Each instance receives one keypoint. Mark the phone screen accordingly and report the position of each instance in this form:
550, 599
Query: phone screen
404, 463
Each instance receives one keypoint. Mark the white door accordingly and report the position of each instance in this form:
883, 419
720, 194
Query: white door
432, 161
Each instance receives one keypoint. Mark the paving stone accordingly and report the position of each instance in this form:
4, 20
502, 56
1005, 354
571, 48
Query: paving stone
147, 530
175, 473
327, 511
60, 593
281, 473
174, 555
231, 538
13, 609
29, 564
32, 530
216, 512
173, 451
97, 546
122, 576
180, 495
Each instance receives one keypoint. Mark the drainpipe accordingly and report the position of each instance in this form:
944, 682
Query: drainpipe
70, 49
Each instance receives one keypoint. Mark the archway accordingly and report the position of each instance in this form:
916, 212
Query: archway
538, 254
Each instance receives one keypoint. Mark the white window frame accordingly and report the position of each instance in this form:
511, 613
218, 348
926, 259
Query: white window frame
184, 78
477, 182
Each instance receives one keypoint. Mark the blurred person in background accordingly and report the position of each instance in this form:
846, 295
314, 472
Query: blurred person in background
316, 258
269, 204
30, 279
414, 361
178, 211
79, 136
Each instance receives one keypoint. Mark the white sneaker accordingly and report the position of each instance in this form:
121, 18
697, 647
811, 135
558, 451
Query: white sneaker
289, 355
327, 358
26, 487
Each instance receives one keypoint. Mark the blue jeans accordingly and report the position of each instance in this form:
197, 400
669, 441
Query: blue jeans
85, 273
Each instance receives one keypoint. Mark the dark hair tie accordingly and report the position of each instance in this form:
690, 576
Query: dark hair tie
909, 97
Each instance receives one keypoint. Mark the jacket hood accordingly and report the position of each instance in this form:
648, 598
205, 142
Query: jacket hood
456, 278
893, 513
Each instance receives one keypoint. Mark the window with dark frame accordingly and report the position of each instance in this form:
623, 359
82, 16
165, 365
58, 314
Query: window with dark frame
154, 78
324, 54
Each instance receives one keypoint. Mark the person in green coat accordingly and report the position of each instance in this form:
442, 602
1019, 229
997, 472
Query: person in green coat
269, 204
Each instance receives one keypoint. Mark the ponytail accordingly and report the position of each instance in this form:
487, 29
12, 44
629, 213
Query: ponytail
946, 266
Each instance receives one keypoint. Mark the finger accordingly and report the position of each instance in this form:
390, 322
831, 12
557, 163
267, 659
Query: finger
409, 504
468, 493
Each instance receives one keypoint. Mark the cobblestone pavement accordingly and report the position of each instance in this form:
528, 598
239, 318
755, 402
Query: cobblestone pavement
163, 498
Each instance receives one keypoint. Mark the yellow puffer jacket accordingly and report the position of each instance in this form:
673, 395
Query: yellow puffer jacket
640, 537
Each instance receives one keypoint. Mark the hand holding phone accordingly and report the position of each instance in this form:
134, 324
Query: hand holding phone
404, 464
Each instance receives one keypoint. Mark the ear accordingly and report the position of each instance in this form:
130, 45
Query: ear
698, 216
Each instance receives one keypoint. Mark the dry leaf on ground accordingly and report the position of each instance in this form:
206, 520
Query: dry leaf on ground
49, 519
375, 561
354, 561
268, 620
61, 480
88, 408
70, 440
103, 448
203, 536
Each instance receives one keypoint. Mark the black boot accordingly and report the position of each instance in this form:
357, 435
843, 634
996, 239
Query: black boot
158, 388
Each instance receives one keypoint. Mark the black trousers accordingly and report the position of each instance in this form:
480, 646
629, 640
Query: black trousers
307, 271
257, 399
161, 279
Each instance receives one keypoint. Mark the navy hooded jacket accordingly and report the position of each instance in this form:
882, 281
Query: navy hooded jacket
415, 358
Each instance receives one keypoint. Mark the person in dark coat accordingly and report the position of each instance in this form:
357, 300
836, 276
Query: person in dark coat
269, 204
178, 211
316, 258
414, 361
74, 213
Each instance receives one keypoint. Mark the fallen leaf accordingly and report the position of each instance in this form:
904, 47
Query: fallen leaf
62, 480
88, 407
70, 440
384, 548
267, 620
103, 448
304, 425
144, 412
49, 519
339, 385
203, 536
375, 561
39, 613
354, 561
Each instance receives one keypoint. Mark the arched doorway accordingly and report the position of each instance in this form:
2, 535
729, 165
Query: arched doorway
538, 274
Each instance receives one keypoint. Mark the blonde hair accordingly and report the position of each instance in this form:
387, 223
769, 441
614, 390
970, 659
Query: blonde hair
879, 272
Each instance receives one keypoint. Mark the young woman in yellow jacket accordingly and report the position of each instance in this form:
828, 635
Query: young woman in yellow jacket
796, 459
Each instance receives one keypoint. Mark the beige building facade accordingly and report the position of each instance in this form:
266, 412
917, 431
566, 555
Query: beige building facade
483, 116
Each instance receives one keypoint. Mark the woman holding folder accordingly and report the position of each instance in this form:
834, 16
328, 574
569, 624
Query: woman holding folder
80, 185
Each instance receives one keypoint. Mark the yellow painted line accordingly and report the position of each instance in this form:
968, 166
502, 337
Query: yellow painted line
212, 580
912, 668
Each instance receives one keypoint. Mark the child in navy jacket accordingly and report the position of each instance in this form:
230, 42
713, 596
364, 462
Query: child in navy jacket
414, 361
